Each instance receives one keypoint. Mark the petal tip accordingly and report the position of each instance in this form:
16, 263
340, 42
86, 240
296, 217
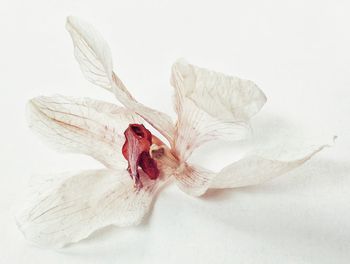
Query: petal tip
31, 110
182, 66
71, 20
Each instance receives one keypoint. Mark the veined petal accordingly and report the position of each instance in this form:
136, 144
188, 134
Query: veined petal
211, 105
193, 180
196, 127
222, 96
71, 206
263, 166
95, 59
82, 126
92, 53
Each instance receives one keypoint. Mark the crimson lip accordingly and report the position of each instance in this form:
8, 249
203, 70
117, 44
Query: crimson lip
138, 141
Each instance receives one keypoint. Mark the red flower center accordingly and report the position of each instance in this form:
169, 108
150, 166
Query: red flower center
138, 141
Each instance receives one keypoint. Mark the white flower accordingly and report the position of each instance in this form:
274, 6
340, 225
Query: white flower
209, 106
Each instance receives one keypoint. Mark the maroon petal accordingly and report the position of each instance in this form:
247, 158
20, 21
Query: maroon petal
138, 141
149, 165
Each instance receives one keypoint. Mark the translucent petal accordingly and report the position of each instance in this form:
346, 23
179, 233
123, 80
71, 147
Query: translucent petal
83, 126
193, 180
70, 206
262, 166
196, 127
92, 53
211, 105
95, 59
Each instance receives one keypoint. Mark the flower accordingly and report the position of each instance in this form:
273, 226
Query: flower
209, 106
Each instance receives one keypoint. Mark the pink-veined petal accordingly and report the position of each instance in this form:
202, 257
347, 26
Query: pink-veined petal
264, 165
193, 180
211, 105
69, 207
82, 125
92, 53
196, 127
95, 59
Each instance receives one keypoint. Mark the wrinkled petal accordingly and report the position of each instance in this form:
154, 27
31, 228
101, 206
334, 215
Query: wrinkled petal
94, 57
136, 151
193, 180
70, 206
83, 126
263, 166
211, 105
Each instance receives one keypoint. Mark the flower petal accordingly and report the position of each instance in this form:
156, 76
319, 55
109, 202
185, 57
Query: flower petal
193, 180
196, 127
69, 207
136, 151
83, 126
95, 59
263, 166
211, 105
92, 52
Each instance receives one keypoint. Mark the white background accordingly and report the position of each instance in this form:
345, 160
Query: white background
298, 52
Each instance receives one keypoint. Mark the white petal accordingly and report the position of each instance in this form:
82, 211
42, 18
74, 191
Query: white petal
69, 207
263, 166
196, 127
95, 59
193, 179
211, 105
83, 126
92, 52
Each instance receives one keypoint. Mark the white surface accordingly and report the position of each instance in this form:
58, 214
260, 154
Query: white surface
296, 51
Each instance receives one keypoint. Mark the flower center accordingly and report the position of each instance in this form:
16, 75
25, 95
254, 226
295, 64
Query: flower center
136, 150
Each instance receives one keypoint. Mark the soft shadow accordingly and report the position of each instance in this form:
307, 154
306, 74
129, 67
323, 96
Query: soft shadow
266, 127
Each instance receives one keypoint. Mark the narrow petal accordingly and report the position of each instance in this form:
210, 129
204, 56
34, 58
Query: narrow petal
69, 207
95, 59
92, 53
258, 168
83, 126
211, 105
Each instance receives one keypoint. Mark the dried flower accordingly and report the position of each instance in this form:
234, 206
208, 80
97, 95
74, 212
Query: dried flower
209, 106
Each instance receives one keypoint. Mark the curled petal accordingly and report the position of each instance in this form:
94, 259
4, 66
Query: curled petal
95, 59
69, 207
258, 168
211, 105
83, 126
138, 141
